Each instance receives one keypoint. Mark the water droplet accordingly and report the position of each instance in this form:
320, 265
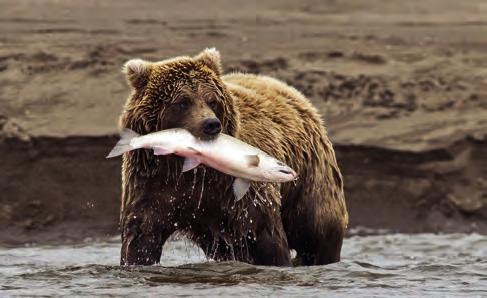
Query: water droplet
202, 187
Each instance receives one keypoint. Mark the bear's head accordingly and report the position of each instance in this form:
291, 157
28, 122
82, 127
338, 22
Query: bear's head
185, 92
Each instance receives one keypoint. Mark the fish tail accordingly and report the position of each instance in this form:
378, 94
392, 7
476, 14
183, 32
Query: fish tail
124, 144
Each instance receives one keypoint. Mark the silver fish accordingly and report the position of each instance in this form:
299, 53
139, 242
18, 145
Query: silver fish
225, 154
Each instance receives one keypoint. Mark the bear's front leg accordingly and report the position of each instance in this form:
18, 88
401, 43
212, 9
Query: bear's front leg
271, 247
259, 213
143, 236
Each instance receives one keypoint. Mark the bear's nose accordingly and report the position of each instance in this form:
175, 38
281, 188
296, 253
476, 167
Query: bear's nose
212, 127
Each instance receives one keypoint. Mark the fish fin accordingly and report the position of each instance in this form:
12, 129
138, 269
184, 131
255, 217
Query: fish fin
162, 151
195, 151
240, 188
123, 145
253, 160
190, 163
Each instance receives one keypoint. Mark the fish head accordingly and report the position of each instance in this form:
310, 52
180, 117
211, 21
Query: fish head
181, 92
276, 171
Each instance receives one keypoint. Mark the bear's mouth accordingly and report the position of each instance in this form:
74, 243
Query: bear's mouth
208, 138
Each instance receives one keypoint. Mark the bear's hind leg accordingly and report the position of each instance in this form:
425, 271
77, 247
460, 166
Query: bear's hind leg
317, 238
318, 249
329, 251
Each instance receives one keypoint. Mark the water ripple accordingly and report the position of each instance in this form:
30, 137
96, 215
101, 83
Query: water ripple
385, 265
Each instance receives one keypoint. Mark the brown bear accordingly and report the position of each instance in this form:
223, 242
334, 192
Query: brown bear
158, 200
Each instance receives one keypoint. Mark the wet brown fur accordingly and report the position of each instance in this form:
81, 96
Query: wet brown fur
309, 216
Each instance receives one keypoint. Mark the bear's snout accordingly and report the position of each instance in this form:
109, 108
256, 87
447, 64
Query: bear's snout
211, 127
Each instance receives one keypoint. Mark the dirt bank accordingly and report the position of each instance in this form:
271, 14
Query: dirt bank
402, 88
61, 189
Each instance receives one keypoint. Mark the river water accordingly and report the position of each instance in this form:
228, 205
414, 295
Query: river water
421, 265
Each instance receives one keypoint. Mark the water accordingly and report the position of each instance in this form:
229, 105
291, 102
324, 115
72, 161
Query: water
421, 265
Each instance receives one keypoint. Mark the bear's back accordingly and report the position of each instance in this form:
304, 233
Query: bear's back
275, 116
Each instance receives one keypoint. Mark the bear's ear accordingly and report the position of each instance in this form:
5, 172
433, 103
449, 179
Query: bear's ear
137, 72
211, 58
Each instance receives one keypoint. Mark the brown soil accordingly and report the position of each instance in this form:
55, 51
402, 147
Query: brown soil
401, 84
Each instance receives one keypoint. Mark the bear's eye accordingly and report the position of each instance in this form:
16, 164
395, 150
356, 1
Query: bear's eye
213, 104
184, 103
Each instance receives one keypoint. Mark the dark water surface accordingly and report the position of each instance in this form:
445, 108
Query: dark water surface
453, 265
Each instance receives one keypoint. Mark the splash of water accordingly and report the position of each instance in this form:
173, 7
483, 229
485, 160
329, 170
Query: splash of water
195, 172
202, 187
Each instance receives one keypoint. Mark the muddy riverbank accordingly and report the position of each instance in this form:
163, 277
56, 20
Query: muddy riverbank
402, 88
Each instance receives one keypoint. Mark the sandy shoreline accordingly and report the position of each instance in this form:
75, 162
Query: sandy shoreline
402, 88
